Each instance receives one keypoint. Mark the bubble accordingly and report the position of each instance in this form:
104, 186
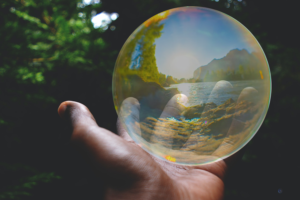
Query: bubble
191, 85
80, 14
12, 9
112, 28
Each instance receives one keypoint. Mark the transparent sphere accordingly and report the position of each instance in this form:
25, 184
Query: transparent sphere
191, 85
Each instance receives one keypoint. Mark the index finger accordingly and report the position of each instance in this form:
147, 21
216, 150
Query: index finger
129, 119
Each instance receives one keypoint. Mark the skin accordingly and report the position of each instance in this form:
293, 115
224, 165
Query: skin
129, 172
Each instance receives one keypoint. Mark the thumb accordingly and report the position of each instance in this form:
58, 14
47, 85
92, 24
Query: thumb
77, 116
111, 157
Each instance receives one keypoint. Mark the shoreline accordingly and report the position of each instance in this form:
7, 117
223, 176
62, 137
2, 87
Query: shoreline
200, 134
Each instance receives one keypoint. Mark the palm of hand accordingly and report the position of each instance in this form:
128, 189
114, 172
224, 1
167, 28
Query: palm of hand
178, 182
181, 182
129, 172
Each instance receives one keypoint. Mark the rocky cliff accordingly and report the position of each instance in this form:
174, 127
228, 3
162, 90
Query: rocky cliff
231, 61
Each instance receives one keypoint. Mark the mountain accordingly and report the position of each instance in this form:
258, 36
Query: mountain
231, 63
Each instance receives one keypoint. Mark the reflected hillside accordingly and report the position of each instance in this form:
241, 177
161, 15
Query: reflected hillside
236, 65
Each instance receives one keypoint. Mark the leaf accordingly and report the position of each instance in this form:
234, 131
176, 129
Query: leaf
40, 46
29, 18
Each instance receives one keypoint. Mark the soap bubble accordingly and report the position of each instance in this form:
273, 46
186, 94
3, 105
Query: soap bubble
191, 85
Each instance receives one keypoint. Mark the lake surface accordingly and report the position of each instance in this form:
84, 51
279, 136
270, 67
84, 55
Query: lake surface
201, 92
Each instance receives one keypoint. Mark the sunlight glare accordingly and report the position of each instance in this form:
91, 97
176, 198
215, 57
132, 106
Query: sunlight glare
185, 65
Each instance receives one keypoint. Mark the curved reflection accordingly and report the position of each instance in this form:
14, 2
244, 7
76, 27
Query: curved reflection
191, 85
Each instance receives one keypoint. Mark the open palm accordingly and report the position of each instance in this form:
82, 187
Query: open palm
129, 172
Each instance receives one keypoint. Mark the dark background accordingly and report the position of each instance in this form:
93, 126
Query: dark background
48, 54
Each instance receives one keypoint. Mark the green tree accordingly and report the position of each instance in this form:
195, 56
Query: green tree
207, 76
162, 79
143, 48
170, 80
241, 72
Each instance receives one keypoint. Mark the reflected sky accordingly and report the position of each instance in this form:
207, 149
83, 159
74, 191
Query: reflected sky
196, 38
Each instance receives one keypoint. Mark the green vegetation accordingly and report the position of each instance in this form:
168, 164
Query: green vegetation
143, 48
166, 81
244, 73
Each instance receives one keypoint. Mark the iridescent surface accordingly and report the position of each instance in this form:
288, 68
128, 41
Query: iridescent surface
191, 85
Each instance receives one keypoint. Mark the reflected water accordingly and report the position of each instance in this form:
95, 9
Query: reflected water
199, 93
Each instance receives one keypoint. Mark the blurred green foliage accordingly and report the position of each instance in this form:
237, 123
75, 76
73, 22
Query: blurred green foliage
26, 180
50, 52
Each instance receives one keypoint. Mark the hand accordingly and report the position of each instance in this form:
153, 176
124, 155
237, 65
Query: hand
131, 173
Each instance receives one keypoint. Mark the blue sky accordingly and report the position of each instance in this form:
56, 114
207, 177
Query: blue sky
190, 40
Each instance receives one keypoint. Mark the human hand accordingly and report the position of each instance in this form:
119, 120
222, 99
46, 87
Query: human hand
129, 172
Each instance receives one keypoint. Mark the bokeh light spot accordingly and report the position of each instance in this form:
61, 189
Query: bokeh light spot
103, 19
114, 16
112, 28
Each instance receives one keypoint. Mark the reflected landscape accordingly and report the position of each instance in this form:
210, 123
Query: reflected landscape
191, 85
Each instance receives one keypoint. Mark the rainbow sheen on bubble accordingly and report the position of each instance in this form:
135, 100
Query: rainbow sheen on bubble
191, 85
